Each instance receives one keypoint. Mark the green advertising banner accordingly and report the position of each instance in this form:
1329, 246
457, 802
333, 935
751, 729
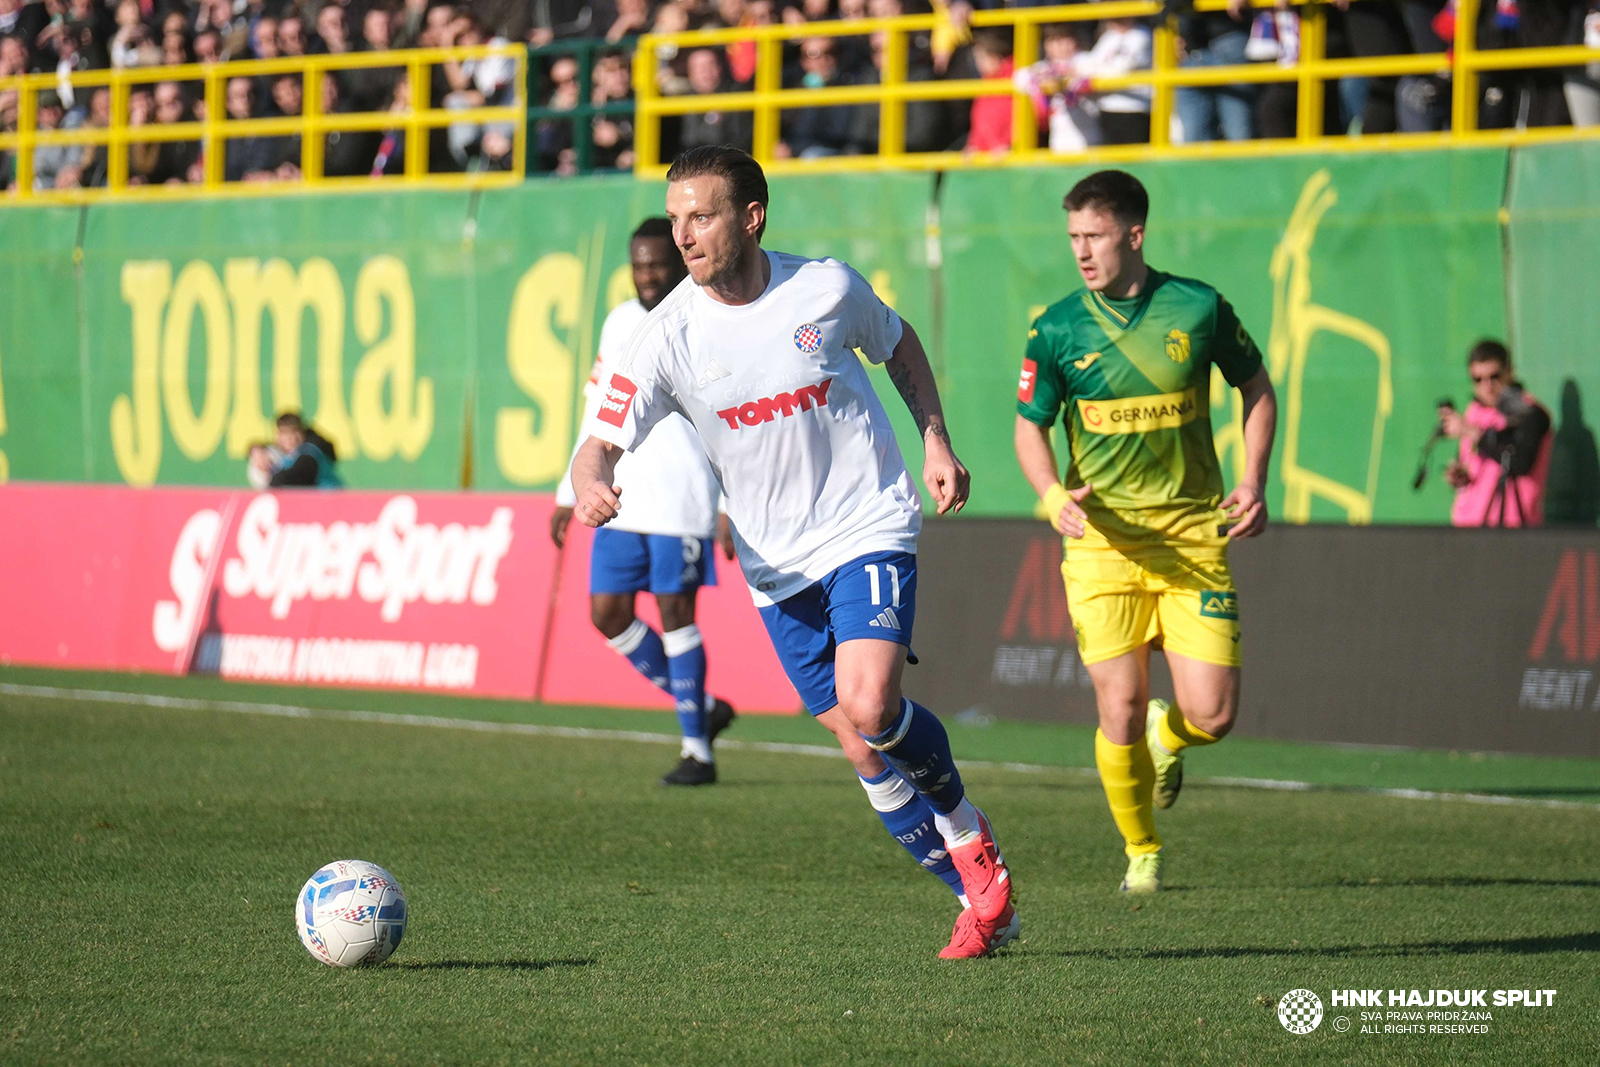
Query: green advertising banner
41, 404
442, 339
1364, 278
203, 320
1554, 276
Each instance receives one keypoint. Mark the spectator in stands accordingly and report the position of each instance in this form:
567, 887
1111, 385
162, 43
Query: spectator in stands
1216, 39
49, 160
309, 459
370, 88
142, 155
1124, 47
345, 153
486, 82
14, 56
291, 35
391, 155
208, 47
991, 115
1504, 455
553, 137
927, 122
130, 45
176, 161
92, 163
633, 17
175, 49
282, 160
8, 124
244, 158
264, 38
708, 75
333, 32
613, 134
1060, 91
817, 132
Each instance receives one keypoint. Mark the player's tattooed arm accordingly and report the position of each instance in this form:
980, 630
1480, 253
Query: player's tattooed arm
913, 379
942, 472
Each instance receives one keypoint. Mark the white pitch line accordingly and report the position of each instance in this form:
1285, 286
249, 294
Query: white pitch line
294, 711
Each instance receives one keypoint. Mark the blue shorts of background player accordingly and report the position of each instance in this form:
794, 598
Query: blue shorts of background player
873, 596
624, 562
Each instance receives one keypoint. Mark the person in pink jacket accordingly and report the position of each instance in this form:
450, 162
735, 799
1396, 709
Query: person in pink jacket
1504, 454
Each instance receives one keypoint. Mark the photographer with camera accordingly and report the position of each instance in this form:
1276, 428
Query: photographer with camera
1504, 454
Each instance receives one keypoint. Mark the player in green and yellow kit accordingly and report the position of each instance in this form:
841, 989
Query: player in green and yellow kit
1141, 505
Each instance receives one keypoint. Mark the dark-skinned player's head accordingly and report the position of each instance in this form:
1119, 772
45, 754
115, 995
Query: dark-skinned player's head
1106, 215
657, 265
717, 203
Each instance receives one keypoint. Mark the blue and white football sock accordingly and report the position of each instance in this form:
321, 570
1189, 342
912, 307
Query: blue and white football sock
910, 821
917, 747
686, 669
641, 646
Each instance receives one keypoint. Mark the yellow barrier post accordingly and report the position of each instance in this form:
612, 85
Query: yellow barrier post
892, 108
769, 79
117, 146
310, 128
1464, 76
646, 120
27, 123
1164, 60
416, 143
1313, 50
519, 141
1024, 122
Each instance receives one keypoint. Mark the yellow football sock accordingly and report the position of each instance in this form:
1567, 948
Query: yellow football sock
1177, 733
1129, 779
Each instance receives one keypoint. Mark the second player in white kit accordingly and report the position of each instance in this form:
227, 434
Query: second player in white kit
756, 351
662, 543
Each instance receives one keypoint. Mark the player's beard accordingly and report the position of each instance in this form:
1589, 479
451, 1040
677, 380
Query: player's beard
729, 270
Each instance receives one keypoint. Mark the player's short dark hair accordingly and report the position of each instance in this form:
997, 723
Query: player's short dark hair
291, 420
746, 181
1114, 191
1489, 350
652, 228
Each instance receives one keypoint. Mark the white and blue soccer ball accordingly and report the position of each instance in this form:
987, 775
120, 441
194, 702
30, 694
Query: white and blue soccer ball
351, 913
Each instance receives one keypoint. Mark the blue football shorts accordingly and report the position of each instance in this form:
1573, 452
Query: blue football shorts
624, 562
873, 596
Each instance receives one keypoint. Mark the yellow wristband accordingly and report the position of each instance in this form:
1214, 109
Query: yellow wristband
1055, 498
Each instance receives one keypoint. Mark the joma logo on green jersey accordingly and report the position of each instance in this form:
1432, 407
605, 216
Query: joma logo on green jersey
1216, 605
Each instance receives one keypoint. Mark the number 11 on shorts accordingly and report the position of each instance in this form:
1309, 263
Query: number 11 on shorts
877, 587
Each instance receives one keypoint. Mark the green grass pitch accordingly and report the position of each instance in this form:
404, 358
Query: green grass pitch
564, 909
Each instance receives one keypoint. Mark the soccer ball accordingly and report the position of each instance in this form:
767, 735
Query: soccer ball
351, 913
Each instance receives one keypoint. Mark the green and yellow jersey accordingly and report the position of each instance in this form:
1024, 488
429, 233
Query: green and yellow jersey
1134, 378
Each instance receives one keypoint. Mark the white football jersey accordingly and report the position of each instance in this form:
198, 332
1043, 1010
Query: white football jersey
800, 443
667, 485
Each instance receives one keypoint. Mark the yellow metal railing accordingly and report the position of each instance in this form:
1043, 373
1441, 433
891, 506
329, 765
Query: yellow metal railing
216, 127
766, 100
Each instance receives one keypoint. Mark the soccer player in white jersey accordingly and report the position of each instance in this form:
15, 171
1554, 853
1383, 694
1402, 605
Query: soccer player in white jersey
755, 350
661, 541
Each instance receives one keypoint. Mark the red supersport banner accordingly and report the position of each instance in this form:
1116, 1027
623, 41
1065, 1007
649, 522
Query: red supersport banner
451, 592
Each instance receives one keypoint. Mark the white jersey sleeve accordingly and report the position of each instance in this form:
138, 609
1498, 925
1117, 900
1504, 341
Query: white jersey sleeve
871, 325
633, 395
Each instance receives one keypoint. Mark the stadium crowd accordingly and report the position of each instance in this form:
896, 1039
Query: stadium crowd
66, 36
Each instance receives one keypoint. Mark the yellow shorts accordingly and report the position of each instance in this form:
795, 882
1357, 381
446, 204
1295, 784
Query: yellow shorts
1181, 600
